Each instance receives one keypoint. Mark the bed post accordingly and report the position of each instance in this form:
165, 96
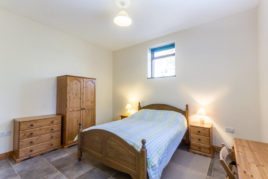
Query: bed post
143, 161
79, 152
139, 106
187, 138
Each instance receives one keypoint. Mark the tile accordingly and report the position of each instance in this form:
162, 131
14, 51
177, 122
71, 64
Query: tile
218, 175
63, 164
70, 167
196, 162
96, 173
72, 149
34, 168
6, 170
57, 175
55, 155
217, 167
209, 173
173, 171
4, 164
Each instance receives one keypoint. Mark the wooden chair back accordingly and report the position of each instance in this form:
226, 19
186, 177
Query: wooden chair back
224, 154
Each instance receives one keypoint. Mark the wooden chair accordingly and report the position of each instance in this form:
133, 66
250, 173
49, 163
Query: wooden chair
228, 164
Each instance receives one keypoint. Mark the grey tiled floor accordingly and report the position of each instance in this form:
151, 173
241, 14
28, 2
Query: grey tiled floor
62, 164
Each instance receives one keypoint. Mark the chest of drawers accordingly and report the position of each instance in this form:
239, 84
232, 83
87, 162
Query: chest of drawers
201, 139
36, 135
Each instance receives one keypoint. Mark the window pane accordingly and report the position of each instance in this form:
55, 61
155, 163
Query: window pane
163, 67
161, 61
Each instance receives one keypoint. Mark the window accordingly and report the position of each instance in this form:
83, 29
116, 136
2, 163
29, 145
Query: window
161, 61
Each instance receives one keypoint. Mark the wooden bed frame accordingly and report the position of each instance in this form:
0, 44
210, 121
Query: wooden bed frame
113, 151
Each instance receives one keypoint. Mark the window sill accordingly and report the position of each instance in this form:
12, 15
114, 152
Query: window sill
161, 77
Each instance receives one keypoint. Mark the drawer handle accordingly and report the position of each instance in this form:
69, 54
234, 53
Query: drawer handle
199, 148
31, 134
51, 129
198, 132
51, 137
51, 145
199, 140
31, 125
52, 122
31, 142
31, 150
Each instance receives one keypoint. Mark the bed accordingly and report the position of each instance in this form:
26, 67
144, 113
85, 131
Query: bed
142, 150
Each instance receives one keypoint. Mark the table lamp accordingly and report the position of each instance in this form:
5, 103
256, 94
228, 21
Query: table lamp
202, 115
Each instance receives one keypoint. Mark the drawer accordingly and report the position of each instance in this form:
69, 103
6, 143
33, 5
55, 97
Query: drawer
40, 148
200, 131
201, 148
39, 139
39, 123
39, 131
200, 139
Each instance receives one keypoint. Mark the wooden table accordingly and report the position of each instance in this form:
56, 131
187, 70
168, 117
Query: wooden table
251, 158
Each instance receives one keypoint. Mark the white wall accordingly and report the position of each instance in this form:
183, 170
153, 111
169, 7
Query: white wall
216, 66
31, 56
263, 64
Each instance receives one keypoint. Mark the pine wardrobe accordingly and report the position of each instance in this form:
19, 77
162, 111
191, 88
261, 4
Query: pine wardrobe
76, 102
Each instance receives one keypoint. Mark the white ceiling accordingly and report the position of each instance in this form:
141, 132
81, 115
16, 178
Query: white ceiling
93, 19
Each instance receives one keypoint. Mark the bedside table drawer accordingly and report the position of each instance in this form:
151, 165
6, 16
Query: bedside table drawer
200, 139
201, 148
200, 131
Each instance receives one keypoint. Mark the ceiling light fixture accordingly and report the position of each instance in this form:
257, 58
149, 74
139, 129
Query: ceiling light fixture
122, 19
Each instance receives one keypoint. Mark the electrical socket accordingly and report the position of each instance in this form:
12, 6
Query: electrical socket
230, 130
5, 133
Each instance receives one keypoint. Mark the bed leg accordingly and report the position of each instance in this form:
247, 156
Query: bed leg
79, 155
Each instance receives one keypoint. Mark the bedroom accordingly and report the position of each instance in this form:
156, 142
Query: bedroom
218, 57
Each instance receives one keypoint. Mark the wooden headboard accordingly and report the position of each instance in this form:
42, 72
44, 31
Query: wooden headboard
171, 108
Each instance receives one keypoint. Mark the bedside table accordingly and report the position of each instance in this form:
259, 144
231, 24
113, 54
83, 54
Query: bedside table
201, 139
123, 116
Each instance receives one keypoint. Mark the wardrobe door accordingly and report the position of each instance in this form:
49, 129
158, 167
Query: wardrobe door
75, 87
72, 126
88, 103
88, 118
74, 105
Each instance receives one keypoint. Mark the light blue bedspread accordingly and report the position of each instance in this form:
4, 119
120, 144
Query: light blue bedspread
162, 130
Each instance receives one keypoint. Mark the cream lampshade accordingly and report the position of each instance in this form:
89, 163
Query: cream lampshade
202, 115
122, 19
129, 109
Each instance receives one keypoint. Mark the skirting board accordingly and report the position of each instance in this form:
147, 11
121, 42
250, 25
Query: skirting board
5, 155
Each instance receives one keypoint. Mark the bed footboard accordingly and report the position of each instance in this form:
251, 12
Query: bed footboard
114, 152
